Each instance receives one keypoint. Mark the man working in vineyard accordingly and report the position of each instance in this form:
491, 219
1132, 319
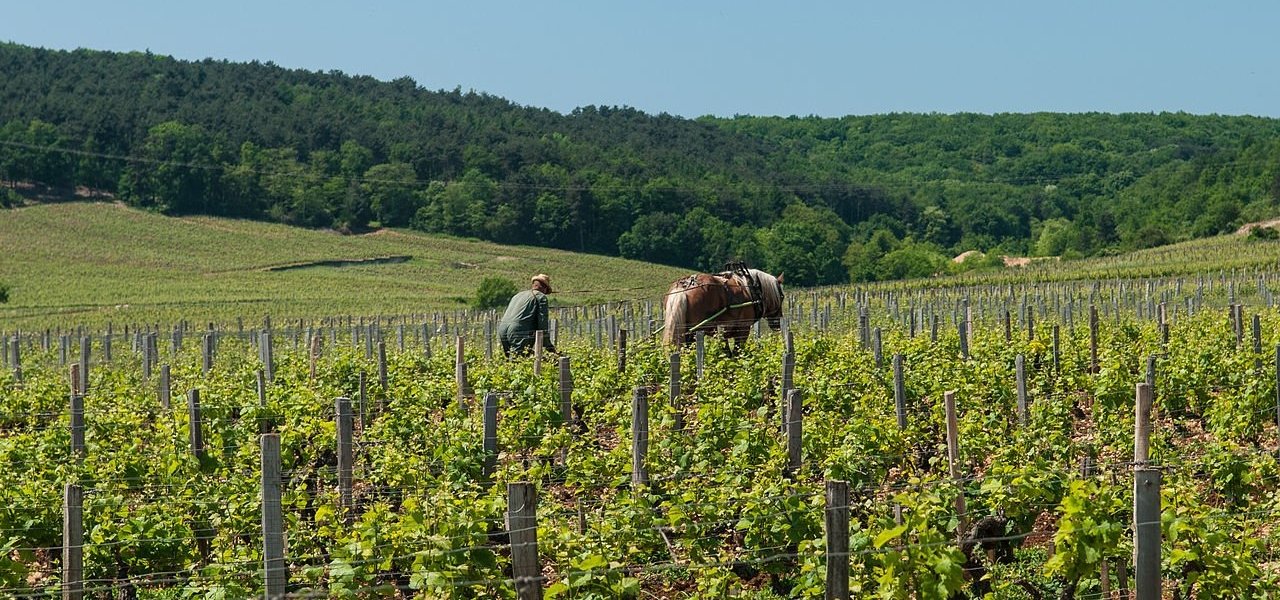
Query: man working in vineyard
525, 315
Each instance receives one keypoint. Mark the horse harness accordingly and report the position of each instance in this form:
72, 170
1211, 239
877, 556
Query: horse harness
755, 295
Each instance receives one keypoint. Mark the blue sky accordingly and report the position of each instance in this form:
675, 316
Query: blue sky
723, 58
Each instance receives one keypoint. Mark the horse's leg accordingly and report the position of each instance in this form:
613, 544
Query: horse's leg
732, 340
740, 335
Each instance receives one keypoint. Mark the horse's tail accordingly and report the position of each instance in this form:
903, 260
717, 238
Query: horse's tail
676, 311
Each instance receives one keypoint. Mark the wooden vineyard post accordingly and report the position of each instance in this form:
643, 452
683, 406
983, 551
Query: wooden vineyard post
1277, 385
1020, 375
275, 571
268, 359
343, 423
566, 403
794, 430
1104, 578
522, 523
864, 331
72, 542
207, 353
490, 440
260, 380
426, 341
1142, 424
488, 340
153, 357
313, 354
460, 374
1093, 339
164, 388
106, 344
382, 368
193, 423
877, 348
1238, 323
1257, 334
963, 327
622, 351
1122, 578
788, 375
17, 358
537, 353
639, 438
1151, 375
899, 392
953, 456
147, 356
85, 345
1146, 504
966, 313
77, 413
837, 528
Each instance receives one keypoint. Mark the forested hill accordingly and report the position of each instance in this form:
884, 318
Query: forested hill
824, 200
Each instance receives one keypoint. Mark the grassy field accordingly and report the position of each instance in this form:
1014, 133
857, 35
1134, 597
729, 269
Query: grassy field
82, 263
1185, 259
1222, 252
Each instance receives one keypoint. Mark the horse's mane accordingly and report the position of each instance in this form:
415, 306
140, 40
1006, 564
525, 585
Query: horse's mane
770, 290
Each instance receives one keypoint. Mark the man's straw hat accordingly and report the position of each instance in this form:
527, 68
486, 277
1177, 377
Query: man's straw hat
544, 279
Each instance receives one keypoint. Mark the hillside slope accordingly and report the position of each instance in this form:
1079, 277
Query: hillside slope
89, 263
331, 150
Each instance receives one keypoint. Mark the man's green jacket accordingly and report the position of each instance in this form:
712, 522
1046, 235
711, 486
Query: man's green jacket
525, 314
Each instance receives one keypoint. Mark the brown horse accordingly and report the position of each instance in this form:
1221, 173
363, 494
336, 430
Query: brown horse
731, 301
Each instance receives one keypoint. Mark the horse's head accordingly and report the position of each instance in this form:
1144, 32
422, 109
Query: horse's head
771, 289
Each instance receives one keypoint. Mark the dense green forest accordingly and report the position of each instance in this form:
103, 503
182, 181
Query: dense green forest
822, 199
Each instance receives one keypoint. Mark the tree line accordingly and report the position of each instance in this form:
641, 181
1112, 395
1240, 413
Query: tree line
826, 200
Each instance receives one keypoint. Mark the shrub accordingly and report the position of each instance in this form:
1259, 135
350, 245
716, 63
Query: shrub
1150, 236
911, 261
4, 293
10, 198
494, 292
1264, 233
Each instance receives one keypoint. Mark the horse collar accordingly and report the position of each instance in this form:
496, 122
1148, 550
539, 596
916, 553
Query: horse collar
757, 294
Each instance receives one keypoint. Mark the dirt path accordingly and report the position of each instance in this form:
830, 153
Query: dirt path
1247, 227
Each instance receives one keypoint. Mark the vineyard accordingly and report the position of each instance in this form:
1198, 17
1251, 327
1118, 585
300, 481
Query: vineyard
1107, 439
97, 263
